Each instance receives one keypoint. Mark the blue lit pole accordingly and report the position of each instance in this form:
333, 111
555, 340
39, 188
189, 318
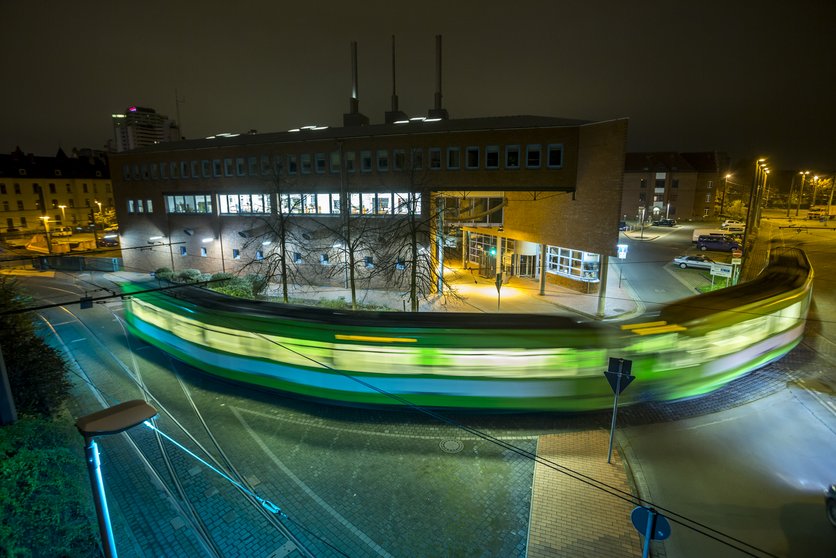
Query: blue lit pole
111, 420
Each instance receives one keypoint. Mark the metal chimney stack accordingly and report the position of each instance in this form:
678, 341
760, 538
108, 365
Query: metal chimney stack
438, 111
354, 118
394, 115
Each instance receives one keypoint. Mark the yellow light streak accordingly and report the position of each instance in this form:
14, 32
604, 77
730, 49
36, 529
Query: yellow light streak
375, 339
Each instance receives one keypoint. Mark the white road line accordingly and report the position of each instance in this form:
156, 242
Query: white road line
322, 503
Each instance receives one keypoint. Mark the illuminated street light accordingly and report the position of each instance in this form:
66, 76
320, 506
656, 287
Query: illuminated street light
63, 213
112, 420
801, 191
45, 219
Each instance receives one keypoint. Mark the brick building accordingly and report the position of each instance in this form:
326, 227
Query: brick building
524, 195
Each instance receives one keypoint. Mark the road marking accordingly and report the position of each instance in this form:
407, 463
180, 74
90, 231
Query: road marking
305, 488
78, 340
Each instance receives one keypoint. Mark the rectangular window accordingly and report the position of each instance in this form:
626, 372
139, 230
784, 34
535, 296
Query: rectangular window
17, 188
335, 162
240, 166
139, 207
369, 262
189, 203
555, 160
229, 167
354, 202
2, 188
184, 169
130, 206
149, 207
252, 166
236, 254
335, 204
265, 164
195, 169
203, 252
155, 171
365, 161
435, 158
350, 161
323, 259
323, 203
51, 188
384, 203
217, 168
382, 160
259, 255
398, 159
582, 266
532, 156
297, 258
173, 170
183, 251
294, 203
472, 161
145, 174
512, 156
251, 204
320, 163
205, 170
492, 157
126, 172
417, 158
164, 171
453, 156
305, 163
291, 164
367, 203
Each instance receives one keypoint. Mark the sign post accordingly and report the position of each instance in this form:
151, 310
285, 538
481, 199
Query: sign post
622, 255
498, 287
651, 524
618, 375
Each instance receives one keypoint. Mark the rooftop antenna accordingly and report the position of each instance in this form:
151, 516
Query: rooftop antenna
437, 112
177, 101
394, 115
354, 118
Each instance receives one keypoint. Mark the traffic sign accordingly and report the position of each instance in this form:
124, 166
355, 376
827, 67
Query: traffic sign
619, 366
612, 378
721, 269
622, 251
737, 253
661, 528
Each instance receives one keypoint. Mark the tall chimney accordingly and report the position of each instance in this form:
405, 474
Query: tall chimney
394, 115
353, 117
438, 111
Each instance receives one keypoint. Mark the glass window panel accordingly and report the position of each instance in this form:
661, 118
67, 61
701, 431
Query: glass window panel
285, 204
492, 157
349, 161
246, 203
335, 204
309, 200
320, 163
401, 203
384, 203
532, 154
323, 204
305, 163
512, 157
417, 158
453, 156
367, 201
354, 200
335, 162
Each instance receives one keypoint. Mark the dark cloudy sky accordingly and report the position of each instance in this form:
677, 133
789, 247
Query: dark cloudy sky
738, 76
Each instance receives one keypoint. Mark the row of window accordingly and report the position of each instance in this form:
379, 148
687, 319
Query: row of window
55, 204
367, 203
36, 188
296, 257
530, 156
57, 172
659, 183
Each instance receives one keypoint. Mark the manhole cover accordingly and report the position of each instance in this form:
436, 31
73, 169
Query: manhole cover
451, 446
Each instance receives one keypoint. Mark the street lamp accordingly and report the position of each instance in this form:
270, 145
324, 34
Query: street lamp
725, 189
112, 420
815, 185
751, 216
801, 191
63, 213
45, 219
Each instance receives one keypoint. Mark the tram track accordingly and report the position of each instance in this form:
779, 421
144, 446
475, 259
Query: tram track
184, 504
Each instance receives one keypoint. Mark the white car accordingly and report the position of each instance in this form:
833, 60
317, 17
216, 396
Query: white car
701, 262
732, 223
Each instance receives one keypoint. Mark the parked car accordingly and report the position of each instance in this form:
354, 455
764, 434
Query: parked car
622, 226
732, 223
719, 243
62, 231
108, 241
734, 229
701, 262
665, 223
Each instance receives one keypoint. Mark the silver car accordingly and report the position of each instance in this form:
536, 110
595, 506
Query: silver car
701, 262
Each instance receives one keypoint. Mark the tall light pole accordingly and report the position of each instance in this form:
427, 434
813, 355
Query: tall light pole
801, 191
45, 219
725, 190
63, 214
814, 184
750, 215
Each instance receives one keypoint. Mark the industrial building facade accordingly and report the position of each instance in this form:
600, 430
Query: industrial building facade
528, 196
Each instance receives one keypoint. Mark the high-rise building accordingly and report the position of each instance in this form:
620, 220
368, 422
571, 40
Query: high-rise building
140, 127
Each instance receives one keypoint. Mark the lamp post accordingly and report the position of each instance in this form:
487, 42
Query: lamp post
815, 185
725, 189
112, 420
63, 213
45, 219
801, 191
93, 218
751, 215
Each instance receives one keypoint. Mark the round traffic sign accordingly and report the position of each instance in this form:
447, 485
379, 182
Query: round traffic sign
641, 515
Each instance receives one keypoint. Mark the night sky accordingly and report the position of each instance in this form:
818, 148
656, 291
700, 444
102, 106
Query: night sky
748, 78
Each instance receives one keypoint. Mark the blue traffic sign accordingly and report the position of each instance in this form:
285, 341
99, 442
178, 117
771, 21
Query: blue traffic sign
661, 528
616, 385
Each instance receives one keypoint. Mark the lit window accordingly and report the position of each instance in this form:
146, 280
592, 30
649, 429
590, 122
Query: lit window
236, 254
203, 252
259, 255
183, 251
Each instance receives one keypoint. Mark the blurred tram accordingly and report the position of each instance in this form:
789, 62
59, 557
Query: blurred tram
521, 362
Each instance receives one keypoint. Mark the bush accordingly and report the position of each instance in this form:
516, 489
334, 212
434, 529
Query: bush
164, 273
258, 282
188, 276
235, 286
45, 501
